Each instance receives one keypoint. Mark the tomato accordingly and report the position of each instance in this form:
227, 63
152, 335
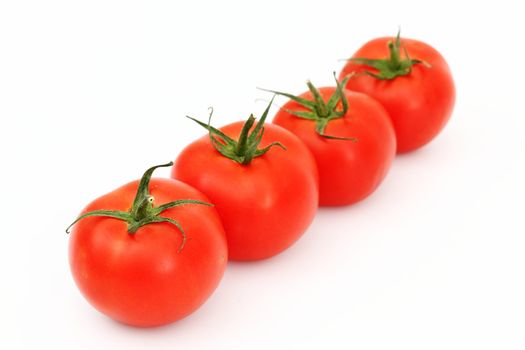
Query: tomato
415, 87
266, 198
350, 136
148, 265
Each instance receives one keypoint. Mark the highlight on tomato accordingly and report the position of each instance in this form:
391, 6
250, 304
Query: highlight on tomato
349, 134
148, 253
411, 80
262, 180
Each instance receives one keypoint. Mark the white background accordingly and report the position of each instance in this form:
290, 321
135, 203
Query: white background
94, 92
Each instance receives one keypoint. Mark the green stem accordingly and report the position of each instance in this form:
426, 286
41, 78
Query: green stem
320, 106
142, 211
143, 201
143, 208
243, 137
395, 59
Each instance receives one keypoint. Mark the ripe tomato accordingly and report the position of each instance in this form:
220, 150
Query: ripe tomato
417, 90
266, 198
350, 136
134, 265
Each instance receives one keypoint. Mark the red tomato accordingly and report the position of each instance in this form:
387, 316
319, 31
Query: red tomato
348, 171
265, 204
146, 278
417, 89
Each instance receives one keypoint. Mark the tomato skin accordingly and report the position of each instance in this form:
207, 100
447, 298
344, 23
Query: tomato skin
265, 206
142, 279
420, 103
348, 171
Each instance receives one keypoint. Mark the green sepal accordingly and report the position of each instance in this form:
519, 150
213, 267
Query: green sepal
318, 110
142, 211
392, 67
121, 215
245, 149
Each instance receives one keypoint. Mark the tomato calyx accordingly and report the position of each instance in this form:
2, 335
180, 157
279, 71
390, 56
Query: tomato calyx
142, 211
392, 67
318, 110
245, 149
